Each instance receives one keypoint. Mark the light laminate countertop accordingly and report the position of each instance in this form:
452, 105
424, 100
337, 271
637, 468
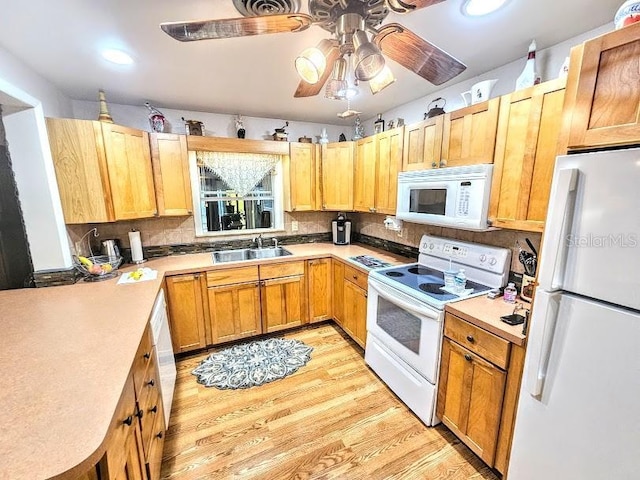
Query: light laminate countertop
66, 353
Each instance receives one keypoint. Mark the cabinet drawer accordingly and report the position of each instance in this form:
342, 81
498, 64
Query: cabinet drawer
356, 276
485, 344
143, 359
281, 270
232, 275
149, 410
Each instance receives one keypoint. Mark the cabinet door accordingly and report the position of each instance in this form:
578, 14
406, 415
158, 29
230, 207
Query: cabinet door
469, 134
234, 311
526, 146
171, 174
423, 144
365, 175
470, 398
186, 312
134, 467
320, 286
338, 292
605, 100
337, 176
130, 173
81, 170
300, 178
355, 312
390, 144
283, 303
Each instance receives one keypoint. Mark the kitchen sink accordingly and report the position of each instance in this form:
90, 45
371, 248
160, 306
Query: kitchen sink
241, 254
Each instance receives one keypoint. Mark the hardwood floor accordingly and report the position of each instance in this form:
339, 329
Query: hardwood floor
333, 419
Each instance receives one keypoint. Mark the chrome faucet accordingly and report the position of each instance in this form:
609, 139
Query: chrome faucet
275, 242
258, 240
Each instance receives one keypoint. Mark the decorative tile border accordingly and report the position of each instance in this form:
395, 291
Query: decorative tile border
393, 247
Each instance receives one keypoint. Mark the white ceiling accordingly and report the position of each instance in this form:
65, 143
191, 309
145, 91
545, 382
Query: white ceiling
255, 76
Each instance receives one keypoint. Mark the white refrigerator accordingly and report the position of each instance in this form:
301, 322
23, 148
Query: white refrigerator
578, 414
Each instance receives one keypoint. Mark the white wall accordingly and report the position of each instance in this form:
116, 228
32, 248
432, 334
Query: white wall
216, 124
548, 63
26, 99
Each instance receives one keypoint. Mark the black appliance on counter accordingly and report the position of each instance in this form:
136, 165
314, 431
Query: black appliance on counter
341, 228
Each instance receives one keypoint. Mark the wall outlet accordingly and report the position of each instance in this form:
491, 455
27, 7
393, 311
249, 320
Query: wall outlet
294, 226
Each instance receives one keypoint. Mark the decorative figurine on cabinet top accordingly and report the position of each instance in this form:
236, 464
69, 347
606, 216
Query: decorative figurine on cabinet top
358, 129
156, 119
240, 126
103, 116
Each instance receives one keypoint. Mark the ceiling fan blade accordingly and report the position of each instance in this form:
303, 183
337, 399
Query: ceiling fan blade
407, 6
331, 52
236, 27
416, 54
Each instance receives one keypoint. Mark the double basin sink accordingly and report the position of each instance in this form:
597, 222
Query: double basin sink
241, 254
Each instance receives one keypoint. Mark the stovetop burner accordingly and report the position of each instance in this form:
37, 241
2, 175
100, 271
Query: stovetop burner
395, 274
432, 288
420, 270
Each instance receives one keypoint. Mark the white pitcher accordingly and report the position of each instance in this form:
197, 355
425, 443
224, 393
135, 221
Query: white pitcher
480, 92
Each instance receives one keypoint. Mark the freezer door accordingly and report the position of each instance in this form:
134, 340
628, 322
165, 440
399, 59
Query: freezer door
592, 237
584, 421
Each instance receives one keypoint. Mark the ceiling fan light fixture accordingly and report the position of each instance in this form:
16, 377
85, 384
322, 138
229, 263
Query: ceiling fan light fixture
382, 80
478, 8
310, 65
368, 60
337, 86
117, 56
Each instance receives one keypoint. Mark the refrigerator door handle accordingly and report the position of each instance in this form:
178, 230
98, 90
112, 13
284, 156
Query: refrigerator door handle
544, 319
558, 221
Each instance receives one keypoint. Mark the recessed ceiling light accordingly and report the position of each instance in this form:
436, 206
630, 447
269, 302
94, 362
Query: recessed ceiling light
117, 56
477, 8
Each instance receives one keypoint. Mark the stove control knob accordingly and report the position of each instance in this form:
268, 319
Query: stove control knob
483, 257
432, 246
493, 261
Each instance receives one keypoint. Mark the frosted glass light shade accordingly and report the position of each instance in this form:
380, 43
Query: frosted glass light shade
478, 8
382, 80
368, 61
310, 65
337, 86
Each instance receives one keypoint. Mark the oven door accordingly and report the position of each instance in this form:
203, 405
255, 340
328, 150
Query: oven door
409, 328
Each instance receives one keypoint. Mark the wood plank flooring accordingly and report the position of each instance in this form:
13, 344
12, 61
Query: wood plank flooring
333, 419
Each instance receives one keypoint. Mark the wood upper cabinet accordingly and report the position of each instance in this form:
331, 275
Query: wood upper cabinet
283, 296
526, 147
389, 149
338, 291
186, 311
103, 171
423, 144
470, 398
234, 304
320, 283
469, 134
603, 98
365, 161
337, 176
171, 174
300, 178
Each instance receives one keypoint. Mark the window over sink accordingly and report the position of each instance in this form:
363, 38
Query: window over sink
226, 201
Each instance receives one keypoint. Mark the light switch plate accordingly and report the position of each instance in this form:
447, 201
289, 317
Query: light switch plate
294, 226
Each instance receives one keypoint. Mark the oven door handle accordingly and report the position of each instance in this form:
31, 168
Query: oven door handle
398, 300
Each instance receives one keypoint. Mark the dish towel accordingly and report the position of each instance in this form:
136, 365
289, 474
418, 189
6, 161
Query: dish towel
139, 275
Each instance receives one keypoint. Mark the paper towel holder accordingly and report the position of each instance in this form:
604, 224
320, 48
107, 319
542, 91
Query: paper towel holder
135, 244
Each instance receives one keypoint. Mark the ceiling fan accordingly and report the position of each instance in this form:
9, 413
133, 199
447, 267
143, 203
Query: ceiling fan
350, 22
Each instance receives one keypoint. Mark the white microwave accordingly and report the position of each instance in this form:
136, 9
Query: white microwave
455, 197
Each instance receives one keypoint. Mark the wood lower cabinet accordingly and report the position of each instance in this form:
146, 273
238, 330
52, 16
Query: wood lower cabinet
338, 291
320, 286
603, 98
186, 311
337, 176
103, 171
172, 181
234, 304
526, 147
283, 296
355, 312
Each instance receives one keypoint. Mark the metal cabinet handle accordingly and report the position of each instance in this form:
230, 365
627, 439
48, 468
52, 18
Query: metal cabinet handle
470, 338
139, 414
151, 382
434, 164
153, 409
468, 357
128, 421
147, 355
160, 434
355, 277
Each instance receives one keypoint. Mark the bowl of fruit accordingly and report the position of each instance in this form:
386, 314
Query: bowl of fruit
98, 267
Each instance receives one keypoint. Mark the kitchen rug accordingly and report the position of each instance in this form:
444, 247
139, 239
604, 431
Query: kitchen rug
252, 364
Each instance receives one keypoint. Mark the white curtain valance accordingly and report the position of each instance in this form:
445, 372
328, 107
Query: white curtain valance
240, 171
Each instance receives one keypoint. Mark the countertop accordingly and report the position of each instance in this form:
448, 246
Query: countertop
485, 313
66, 353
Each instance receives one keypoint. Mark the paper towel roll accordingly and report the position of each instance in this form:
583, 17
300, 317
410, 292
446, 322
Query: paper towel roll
136, 247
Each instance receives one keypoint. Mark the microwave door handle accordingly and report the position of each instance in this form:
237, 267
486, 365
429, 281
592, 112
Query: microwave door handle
403, 304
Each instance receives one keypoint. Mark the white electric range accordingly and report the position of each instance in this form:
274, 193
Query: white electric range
405, 313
